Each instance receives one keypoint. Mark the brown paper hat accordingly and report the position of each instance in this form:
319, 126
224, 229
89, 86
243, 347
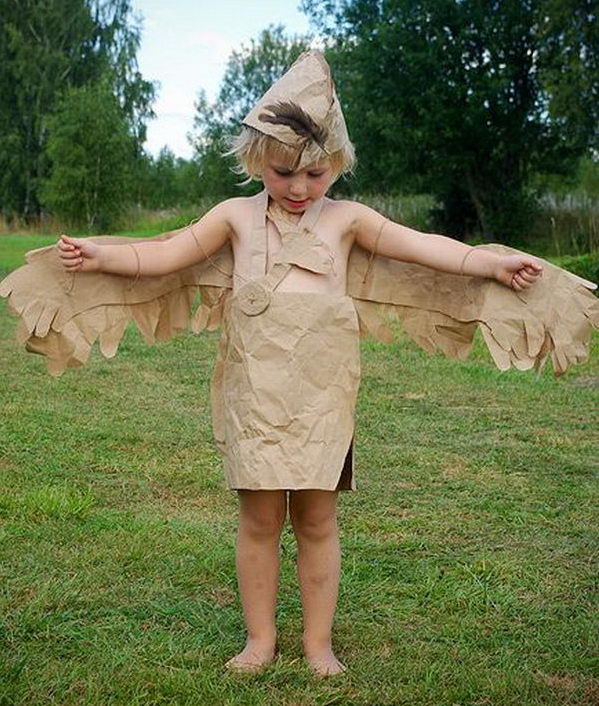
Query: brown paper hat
301, 109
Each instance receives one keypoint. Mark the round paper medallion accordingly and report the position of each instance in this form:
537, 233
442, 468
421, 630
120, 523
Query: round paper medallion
253, 298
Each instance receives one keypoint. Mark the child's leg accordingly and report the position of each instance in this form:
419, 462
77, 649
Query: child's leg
313, 515
261, 518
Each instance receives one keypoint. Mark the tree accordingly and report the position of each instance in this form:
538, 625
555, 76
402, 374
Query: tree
209, 139
568, 32
452, 98
249, 74
46, 48
165, 181
92, 154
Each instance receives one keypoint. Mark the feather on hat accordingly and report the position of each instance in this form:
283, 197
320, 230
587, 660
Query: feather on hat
301, 109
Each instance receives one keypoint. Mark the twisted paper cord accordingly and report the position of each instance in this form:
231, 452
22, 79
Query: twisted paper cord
464, 260
138, 272
209, 258
373, 251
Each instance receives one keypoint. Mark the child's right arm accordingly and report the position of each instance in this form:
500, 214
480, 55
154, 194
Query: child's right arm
191, 245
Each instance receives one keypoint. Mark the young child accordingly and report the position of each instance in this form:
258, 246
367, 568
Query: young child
287, 375
290, 423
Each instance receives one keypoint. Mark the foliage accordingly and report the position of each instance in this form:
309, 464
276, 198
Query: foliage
583, 182
249, 74
210, 142
92, 154
568, 32
464, 99
165, 181
47, 48
586, 266
413, 210
587, 177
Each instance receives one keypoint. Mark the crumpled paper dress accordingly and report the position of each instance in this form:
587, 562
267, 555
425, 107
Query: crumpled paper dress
286, 379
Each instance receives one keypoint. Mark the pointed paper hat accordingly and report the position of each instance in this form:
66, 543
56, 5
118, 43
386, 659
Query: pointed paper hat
301, 110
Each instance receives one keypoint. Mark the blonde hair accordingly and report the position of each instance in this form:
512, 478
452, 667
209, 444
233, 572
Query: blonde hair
252, 148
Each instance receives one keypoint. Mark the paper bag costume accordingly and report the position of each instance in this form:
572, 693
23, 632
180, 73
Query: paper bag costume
287, 373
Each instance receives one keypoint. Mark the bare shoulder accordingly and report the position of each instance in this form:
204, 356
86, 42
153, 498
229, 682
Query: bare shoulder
353, 216
237, 204
238, 211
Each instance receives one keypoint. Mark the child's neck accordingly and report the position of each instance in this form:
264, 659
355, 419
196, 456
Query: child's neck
285, 215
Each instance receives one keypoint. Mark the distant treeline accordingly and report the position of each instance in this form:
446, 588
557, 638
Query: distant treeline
483, 105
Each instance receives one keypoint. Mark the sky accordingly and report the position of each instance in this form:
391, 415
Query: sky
185, 45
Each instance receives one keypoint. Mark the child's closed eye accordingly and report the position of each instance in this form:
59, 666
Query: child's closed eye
288, 172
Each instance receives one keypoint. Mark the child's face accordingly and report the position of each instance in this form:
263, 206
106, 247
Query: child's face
296, 190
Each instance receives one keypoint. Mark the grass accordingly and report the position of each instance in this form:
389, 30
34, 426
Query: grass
468, 551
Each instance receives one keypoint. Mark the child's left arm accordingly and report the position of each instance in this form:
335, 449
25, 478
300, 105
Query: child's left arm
384, 237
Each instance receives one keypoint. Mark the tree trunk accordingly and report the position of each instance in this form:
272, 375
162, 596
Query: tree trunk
481, 211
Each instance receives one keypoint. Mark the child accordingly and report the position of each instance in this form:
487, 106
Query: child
286, 379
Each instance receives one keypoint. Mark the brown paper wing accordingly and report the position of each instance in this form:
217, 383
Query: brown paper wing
63, 315
441, 311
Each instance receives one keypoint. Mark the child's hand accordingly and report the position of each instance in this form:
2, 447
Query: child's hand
518, 271
78, 254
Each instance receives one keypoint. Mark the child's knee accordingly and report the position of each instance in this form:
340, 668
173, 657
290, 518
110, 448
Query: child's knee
314, 526
262, 526
262, 514
261, 523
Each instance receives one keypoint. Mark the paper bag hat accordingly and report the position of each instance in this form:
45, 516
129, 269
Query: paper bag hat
301, 109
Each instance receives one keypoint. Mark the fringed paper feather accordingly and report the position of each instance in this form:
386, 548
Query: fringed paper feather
294, 116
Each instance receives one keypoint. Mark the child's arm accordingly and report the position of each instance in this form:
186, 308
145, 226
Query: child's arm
390, 239
193, 244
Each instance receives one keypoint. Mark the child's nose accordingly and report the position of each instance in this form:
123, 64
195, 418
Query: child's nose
297, 187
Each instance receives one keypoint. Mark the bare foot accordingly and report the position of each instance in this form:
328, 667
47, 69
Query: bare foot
252, 658
324, 663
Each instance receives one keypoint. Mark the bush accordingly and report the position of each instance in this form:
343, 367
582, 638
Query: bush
586, 266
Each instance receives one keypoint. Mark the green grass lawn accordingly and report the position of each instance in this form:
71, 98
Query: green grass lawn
468, 550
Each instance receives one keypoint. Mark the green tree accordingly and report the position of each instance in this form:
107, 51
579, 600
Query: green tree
47, 48
209, 139
92, 154
250, 71
568, 33
453, 98
163, 189
188, 181
165, 181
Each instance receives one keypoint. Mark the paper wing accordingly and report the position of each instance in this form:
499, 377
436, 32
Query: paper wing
553, 318
63, 314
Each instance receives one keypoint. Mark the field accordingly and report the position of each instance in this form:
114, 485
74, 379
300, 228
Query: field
469, 550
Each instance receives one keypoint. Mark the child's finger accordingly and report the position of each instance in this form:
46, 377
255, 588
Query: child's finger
526, 276
532, 266
72, 266
69, 254
68, 243
71, 258
64, 246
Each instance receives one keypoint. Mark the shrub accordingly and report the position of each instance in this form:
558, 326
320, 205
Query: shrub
586, 266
